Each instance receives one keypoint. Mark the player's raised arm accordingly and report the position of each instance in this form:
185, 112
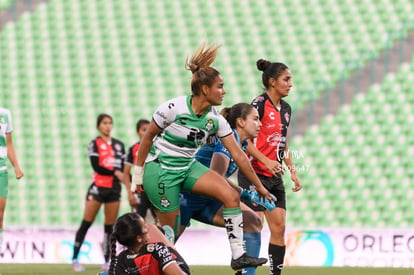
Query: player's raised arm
244, 165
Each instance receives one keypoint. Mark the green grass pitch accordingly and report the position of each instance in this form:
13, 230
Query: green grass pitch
66, 269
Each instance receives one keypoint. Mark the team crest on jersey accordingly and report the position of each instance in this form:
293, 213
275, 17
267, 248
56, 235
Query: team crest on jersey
103, 146
209, 125
150, 247
164, 202
287, 117
118, 147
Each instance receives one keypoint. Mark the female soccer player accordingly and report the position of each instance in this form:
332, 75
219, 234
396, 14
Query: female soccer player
6, 152
244, 120
275, 116
107, 157
178, 128
147, 251
137, 199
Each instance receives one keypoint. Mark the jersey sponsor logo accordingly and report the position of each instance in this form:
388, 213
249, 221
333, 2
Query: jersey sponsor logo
212, 139
275, 138
164, 202
167, 259
131, 256
197, 136
162, 250
108, 162
163, 253
112, 162
161, 114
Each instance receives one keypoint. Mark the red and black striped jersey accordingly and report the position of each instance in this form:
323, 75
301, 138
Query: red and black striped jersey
132, 154
152, 259
271, 140
106, 158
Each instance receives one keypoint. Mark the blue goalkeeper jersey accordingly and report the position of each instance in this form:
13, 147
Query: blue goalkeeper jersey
206, 152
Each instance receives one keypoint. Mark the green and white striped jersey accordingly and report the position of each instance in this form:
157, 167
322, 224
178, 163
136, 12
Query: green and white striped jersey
185, 132
5, 128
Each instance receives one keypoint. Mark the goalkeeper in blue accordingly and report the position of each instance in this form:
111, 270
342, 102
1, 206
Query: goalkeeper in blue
245, 123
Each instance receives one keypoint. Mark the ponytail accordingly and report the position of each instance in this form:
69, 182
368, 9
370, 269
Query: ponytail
113, 255
270, 70
199, 65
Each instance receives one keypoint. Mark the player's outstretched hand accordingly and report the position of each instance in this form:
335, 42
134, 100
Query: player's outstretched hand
255, 198
265, 193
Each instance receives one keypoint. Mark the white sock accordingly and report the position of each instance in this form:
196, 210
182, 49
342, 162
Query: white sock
233, 221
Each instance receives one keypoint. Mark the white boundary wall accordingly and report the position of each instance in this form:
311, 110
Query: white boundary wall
209, 246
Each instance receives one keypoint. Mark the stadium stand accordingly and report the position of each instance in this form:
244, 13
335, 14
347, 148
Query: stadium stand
67, 61
357, 163
5, 3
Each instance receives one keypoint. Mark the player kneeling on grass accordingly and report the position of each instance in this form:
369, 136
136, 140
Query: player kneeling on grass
147, 252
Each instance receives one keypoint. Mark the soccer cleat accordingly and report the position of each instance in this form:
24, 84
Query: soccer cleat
77, 267
103, 273
246, 261
105, 266
254, 197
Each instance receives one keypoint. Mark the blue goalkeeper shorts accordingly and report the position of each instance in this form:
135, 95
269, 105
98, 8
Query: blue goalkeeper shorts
200, 208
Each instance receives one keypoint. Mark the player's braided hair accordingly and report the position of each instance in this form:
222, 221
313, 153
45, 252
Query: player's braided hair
270, 70
239, 110
199, 64
113, 255
126, 229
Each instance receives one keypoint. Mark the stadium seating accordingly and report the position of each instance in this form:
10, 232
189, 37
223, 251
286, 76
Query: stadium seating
4, 4
358, 168
68, 61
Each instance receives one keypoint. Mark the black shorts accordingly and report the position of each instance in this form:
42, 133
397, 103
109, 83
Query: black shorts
273, 184
102, 194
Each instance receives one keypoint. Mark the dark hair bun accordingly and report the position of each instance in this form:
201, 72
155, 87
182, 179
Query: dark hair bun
225, 112
262, 64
